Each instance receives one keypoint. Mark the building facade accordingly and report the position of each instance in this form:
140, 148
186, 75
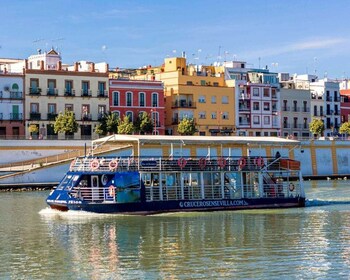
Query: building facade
131, 98
11, 106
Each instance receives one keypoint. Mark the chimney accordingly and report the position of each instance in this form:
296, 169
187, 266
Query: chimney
107, 66
92, 67
59, 65
41, 64
76, 66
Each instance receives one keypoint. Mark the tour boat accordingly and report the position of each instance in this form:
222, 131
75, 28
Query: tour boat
177, 183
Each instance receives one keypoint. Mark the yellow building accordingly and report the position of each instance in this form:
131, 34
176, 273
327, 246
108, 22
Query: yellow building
196, 92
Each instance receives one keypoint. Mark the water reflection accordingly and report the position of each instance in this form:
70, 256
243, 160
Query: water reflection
245, 244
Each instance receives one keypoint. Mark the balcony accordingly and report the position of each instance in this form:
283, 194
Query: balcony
34, 91
296, 109
285, 108
52, 91
16, 95
244, 109
244, 123
69, 92
16, 116
286, 125
86, 92
51, 116
102, 93
306, 109
329, 98
183, 104
243, 96
86, 117
35, 116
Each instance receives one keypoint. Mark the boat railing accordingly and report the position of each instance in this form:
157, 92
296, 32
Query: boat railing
143, 164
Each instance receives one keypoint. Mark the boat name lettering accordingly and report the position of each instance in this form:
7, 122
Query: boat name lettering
149, 163
214, 203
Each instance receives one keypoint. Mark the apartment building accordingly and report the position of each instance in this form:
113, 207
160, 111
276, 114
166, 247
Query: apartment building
257, 99
11, 106
51, 87
132, 98
196, 92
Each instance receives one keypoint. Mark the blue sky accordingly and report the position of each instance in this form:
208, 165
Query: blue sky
287, 36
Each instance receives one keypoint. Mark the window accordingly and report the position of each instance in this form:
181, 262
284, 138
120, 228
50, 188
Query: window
34, 107
155, 99
321, 110
101, 88
304, 106
130, 115
51, 108
101, 111
295, 106
68, 87
129, 99
256, 92
141, 99
224, 100
213, 115
116, 98
201, 115
256, 119
85, 87
285, 107
215, 84
224, 115
295, 122
201, 99
266, 120
69, 107
189, 83
315, 110
266, 92
213, 99
85, 109
256, 106
305, 123
203, 83
273, 93
51, 86
266, 106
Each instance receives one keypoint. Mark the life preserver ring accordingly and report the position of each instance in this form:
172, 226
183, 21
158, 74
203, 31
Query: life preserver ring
72, 165
222, 162
113, 165
182, 162
291, 187
94, 165
242, 162
202, 163
259, 162
111, 190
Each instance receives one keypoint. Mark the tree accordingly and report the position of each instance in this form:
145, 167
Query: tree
144, 124
186, 127
108, 124
316, 126
125, 126
66, 123
33, 128
345, 128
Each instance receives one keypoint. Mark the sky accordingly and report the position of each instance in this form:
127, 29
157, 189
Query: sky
303, 37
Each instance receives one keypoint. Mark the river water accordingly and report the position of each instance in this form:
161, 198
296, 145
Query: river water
303, 243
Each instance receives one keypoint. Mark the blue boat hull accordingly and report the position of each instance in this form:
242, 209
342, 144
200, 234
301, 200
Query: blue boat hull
147, 208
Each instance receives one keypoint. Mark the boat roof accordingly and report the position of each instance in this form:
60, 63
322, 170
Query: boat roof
178, 139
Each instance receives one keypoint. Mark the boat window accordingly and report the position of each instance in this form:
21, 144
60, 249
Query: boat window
217, 179
146, 178
64, 182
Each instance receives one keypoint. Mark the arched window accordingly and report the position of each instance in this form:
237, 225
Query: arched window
129, 99
154, 99
116, 98
141, 99
130, 115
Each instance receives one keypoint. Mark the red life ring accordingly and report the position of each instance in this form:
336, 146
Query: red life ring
111, 191
222, 162
182, 162
72, 165
242, 162
202, 163
113, 165
94, 165
260, 162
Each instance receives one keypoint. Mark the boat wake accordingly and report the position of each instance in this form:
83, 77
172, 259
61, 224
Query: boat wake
320, 202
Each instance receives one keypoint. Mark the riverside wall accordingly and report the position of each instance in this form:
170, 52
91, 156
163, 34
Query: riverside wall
319, 158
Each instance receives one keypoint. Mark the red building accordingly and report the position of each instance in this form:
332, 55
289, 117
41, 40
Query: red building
344, 105
132, 97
